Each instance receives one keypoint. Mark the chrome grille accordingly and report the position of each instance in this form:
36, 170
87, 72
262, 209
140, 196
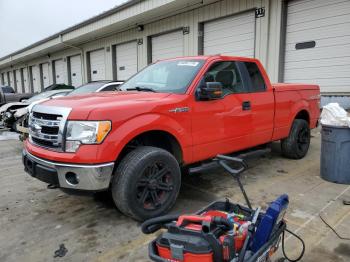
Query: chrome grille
46, 126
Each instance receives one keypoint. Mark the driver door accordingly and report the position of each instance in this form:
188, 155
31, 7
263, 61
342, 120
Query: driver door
222, 125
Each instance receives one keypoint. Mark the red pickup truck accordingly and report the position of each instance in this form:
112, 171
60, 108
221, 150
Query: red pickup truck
172, 114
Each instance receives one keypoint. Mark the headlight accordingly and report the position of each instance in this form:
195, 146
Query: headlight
8, 114
85, 132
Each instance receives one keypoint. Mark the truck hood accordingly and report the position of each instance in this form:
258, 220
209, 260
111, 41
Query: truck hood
82, 105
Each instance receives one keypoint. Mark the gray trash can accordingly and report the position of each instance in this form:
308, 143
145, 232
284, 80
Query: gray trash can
335, 154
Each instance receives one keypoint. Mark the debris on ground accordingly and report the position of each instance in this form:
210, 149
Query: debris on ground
61, 252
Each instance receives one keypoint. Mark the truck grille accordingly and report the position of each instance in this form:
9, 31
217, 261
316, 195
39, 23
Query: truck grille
46, 125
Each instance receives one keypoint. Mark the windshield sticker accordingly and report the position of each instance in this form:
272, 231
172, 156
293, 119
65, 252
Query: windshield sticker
187, 63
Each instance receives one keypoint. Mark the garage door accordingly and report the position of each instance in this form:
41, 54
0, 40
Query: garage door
25, 80
234, 35
318, 44
19, 81
11, 80
60, 73
46, 74
97, 65
75, 71
126, 60
167, 46
35, 75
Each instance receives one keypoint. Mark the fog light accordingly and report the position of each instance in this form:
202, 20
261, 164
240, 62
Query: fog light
72, 146
72, 178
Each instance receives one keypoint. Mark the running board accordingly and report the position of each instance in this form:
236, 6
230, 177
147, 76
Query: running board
246, 155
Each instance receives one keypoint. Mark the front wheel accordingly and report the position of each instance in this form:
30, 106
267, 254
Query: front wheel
296, 145
146, 183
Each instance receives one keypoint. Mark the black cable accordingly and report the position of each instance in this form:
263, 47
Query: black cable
335, 232
302, 242
154, 224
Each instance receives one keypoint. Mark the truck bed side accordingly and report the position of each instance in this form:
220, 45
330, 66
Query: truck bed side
291, 101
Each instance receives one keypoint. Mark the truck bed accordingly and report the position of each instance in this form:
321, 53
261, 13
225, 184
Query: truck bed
282, 87
291, 98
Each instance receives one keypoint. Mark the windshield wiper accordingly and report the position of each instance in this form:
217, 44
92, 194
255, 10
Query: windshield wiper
138, 88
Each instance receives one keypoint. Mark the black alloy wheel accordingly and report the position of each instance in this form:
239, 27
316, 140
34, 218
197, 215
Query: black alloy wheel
146, 183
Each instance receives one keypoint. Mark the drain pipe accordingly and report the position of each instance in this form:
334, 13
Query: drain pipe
82, 54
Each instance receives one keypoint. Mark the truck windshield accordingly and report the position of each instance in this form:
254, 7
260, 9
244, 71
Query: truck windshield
165, 77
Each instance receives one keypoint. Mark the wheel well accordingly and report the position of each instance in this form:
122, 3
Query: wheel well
303, 114
156, 138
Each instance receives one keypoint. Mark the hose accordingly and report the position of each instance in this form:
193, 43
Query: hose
223, 221
154, 224
302, 242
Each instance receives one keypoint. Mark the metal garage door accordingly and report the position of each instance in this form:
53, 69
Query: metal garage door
126, 60
11, 80
318, 44
234, 35
19, 81
97, 65
46, 74
7, 78
75, 70
25, 80
60, 74
167, 45
35, 78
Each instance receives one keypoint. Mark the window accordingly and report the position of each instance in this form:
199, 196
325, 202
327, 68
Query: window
7, 89
60, 87
228, 75
257, 81
110, 88
88, 88
173, 76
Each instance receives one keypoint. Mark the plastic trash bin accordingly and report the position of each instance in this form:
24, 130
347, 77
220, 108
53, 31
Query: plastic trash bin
335, 154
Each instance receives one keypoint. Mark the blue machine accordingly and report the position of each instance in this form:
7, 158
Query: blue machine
269, 221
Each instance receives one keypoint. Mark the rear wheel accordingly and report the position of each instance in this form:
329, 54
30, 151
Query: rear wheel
296, 145
146, 183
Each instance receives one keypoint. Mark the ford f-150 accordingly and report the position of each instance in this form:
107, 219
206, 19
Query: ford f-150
172, 114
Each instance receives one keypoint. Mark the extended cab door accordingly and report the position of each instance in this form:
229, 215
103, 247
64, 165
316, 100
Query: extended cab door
261, 103
222, 125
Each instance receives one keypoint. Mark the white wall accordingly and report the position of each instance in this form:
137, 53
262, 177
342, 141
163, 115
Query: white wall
266, 45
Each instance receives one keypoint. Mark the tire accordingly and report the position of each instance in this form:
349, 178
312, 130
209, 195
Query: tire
296, 145
146, 183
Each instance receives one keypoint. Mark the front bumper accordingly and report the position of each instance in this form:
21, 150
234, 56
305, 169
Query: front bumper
87, 177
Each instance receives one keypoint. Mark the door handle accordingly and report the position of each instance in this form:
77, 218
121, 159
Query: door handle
246, 105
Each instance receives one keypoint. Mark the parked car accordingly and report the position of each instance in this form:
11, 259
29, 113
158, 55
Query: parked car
98, 86
8, 94
58, 87
11, 113
172, 114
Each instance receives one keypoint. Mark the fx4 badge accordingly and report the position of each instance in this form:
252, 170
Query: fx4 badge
179, 110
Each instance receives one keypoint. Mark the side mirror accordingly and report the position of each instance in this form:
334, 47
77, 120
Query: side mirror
210, 91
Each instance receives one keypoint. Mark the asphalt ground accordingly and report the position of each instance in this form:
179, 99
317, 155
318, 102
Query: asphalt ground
35, 221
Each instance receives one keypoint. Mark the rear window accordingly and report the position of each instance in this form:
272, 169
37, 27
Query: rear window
86, 89
257, 81
62, 87
7, 89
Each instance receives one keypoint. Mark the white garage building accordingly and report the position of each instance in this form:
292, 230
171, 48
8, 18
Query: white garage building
296, 40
